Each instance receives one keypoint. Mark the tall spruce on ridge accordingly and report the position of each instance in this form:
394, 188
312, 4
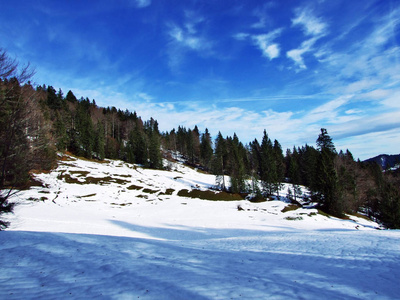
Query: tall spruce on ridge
268, 173
326, 185
220, 161
206, 150
237, 168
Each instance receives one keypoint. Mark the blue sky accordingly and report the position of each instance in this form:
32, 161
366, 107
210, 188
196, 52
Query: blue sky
290, 67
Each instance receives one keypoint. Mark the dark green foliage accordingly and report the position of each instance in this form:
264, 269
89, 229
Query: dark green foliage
99, 141
236, 165
35, 122
5, 207
155, 160
24, 134
206, 151
268, 171
326, 182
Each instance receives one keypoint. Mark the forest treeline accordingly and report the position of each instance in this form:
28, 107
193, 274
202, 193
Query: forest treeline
36, 122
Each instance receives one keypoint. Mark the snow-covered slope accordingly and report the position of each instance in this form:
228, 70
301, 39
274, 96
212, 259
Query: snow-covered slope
117, 231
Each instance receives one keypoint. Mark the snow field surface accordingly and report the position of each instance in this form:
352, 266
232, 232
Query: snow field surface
117, 231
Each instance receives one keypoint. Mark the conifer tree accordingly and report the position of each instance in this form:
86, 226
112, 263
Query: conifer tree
206, 150
327, 179
237, 170
99, 142
279, 166
268, 174
219, 161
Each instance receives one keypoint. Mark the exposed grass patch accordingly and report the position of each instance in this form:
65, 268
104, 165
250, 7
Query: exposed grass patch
358, 215
134, 187
79, 173
90, 180
125, 176
168, 192
36, 199
290, 207
149, 191
90, 195
68, 179
142, 196
323, 213
209, 195
68, 157
121, 204
104, 180
294, 218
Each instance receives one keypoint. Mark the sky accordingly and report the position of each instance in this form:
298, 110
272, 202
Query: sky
289, 67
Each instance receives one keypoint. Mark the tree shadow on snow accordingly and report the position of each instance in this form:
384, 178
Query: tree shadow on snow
195, 263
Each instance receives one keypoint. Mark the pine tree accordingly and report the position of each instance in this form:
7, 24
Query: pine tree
219, 161
99, 142
279, 166
237, 172
268, 173
327, 180
206, 150
155, 160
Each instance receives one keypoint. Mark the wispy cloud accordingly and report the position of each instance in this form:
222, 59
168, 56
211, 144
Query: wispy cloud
313, 27
264, 42
187, 37
297, 54
142, 3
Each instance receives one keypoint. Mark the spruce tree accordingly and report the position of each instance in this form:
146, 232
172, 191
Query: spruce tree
219, 161
268, 173
327, 179
206, 150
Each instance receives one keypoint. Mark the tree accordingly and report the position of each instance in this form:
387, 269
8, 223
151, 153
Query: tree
206, 150
326, 186
155, 160
21, 138
236, 169
279, 166
268, 172
219, 161
99, 141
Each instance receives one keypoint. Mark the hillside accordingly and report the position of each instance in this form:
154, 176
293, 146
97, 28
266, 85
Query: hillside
118, 231
385, 160
129, 193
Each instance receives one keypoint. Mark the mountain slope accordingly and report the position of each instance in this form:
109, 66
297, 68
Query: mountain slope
116, 231
385, 160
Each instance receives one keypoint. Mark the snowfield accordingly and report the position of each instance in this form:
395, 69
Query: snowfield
114, 230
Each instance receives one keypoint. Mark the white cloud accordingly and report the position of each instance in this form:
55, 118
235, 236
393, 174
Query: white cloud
361, 85
268, 50
311, 25
297, 54
142, 3
264, 42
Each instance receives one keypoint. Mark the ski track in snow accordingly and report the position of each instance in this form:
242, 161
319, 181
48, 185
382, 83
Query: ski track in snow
109, 241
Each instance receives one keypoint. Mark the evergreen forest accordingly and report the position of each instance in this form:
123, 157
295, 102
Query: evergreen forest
38, 121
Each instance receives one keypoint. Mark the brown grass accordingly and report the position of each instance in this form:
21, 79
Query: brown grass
210, 195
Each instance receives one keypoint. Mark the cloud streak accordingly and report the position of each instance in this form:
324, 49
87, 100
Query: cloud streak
312, 27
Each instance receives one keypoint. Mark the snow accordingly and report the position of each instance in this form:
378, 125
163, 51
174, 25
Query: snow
124, 233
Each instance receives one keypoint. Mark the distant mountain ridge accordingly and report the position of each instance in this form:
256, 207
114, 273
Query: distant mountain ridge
385, 160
